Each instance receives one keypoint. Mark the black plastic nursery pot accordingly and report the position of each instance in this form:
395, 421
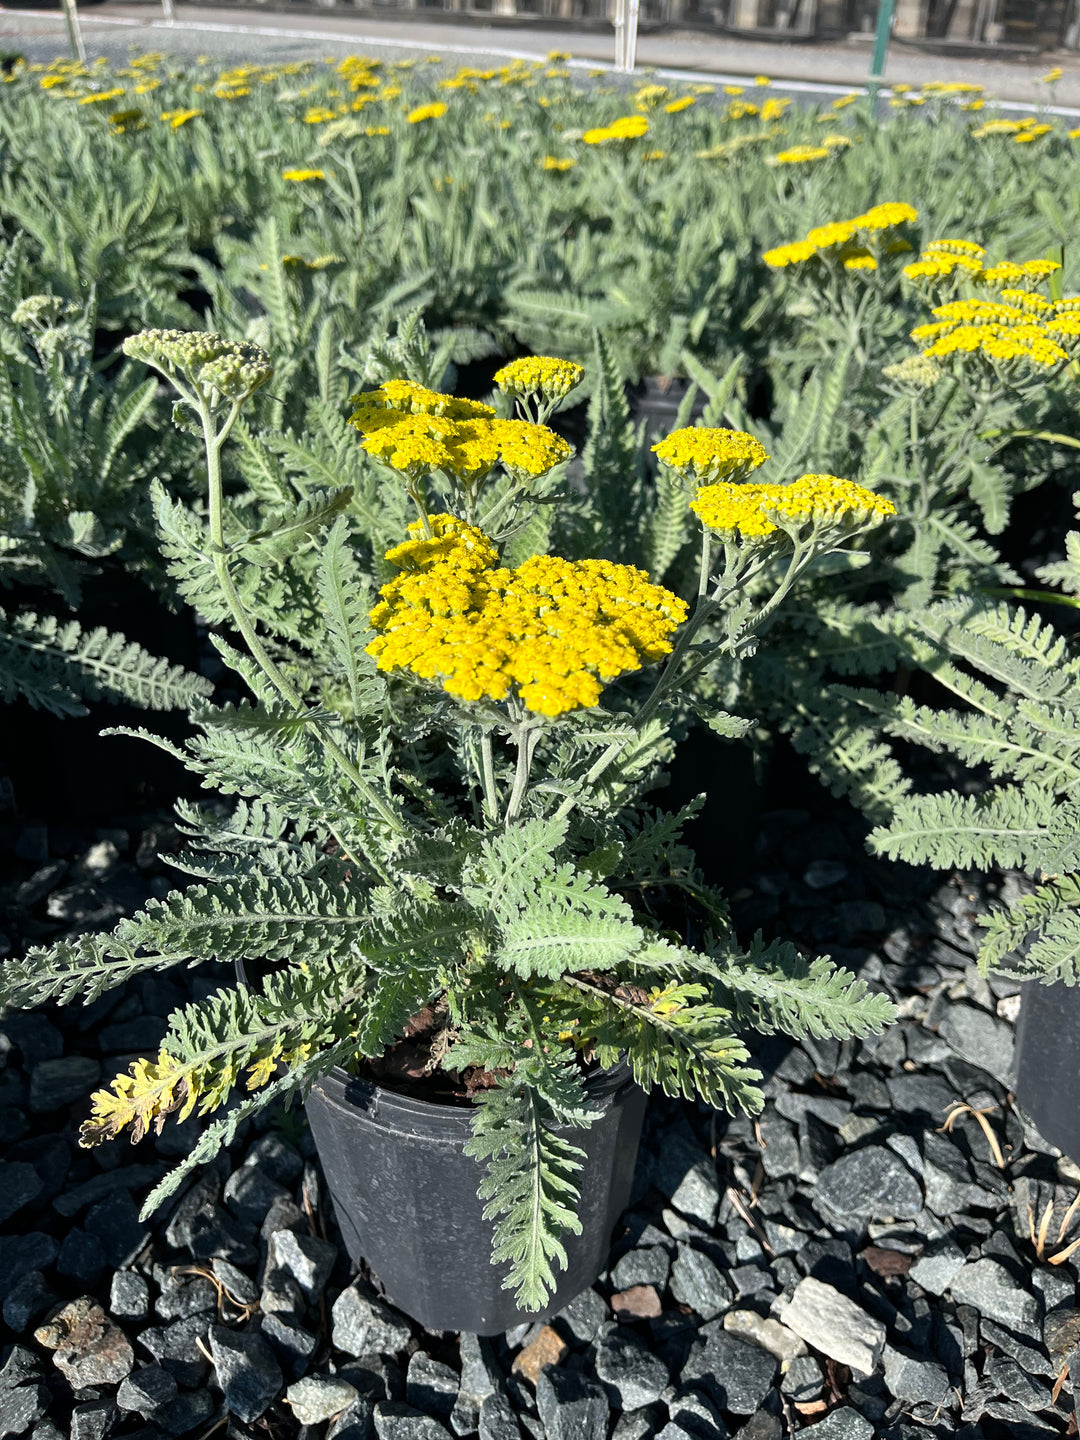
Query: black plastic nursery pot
1048, 1062
405, 1195
404, 1192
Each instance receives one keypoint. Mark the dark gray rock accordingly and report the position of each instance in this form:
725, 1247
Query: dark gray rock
802, 1379
823, 874
480, 1377
650, 1265
246, 1370
129, 1296
28, 1302
241, 1288
304, 1258
292, 1342
497, 1420
19, 1184
21, 1406
584, 1316
981, 1040
1035, 1362
36, 1036
81, 1258
780, 1152
637, 1376
431, 1387
762, 1426
872, 1183
925, 1097
147, 1391
319, 1397
276, 1158
843, 1424
190, 1410
695, 1281
364, 1324
738, 1376
127, 1177
571, 1406
46, 1430
750, 1280
355, 1423
93, 1420
395, 1421
696, 1416
284, 1215
913, 1380
56, 1083
182, 1295
938, 1266
115, 1225
176, 1346
19, 1254
249, 1193
991, 1289
686, 1175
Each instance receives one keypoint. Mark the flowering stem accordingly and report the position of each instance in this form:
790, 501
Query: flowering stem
213, 440
706, 563
487, 776
526, 736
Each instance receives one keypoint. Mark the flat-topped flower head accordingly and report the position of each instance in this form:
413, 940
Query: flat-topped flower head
855, 244
755, 512
551, 631
529, 449
701, 455
542, 375
228, 368
408, 398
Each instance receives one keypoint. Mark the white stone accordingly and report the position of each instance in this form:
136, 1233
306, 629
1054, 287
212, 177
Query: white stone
777, 1339
834, 1325
319, 1397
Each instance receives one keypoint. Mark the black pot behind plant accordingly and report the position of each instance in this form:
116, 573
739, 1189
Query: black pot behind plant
1048, 1062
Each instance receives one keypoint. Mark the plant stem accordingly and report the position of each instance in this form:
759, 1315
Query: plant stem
214, 439
526, 736
487, 776
706, 563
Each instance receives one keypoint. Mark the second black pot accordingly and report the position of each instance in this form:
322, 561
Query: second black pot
1048, 1062
404, 1193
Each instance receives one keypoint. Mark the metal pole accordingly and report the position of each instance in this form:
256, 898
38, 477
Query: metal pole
881, 43
620, 34
630, 41
74, 29
167, 6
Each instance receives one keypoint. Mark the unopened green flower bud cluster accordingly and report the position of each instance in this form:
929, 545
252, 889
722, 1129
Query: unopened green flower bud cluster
215, 366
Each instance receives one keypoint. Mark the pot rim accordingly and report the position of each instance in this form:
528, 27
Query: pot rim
434, 1119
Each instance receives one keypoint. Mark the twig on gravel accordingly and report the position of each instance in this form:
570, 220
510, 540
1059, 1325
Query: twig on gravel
961, 1108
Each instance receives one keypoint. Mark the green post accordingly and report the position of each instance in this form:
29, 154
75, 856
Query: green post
881, 43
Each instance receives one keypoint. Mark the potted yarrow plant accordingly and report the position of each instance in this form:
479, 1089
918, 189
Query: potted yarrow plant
448, 892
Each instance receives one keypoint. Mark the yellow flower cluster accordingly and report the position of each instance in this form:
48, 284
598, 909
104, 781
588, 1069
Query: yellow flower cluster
702, 455
757, 511
1021, 132
851, 243
539, 375
800, 155
434, 111
176, 118
555, 162
554, 631
299, 175
629, 127
417, 430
